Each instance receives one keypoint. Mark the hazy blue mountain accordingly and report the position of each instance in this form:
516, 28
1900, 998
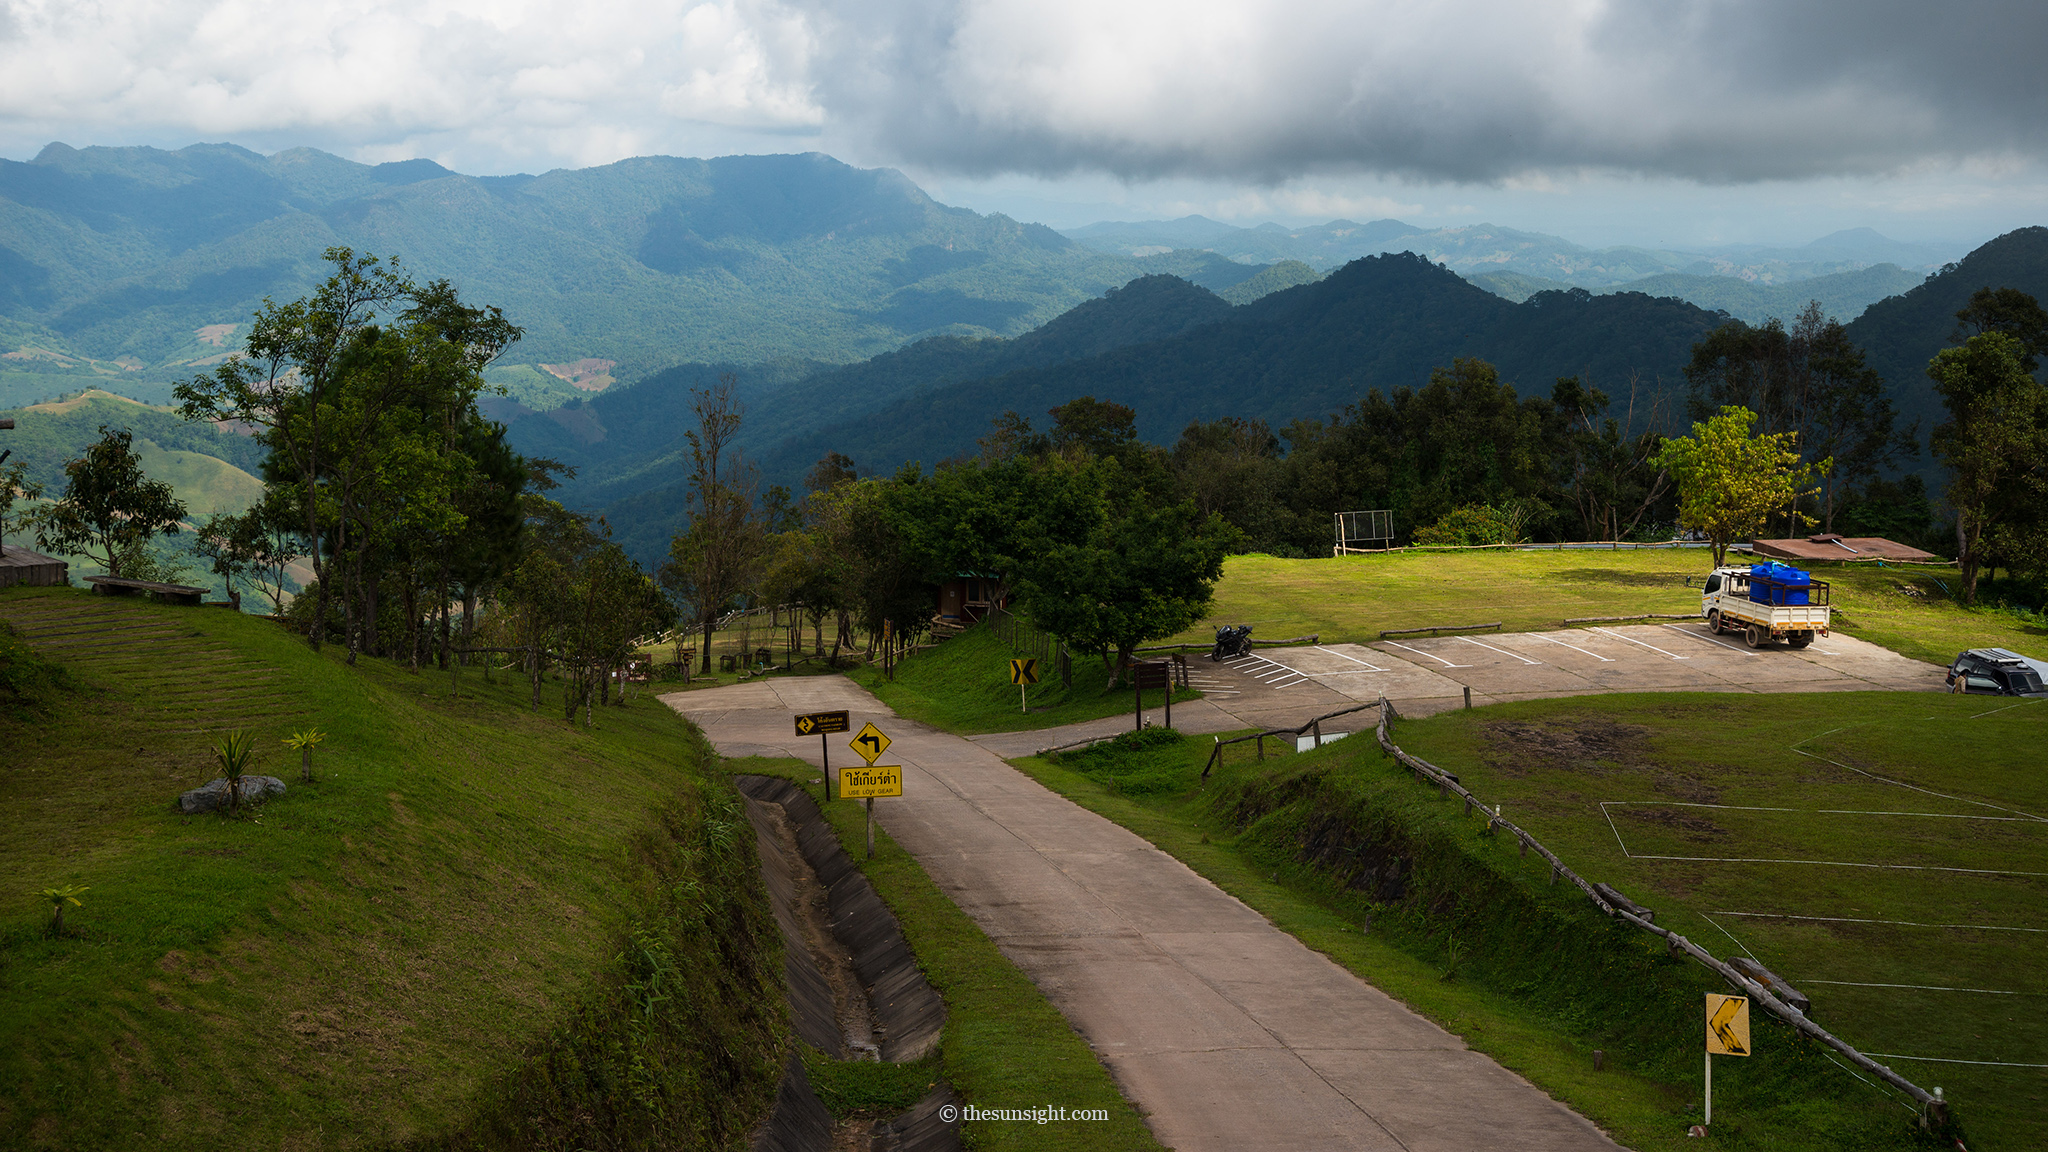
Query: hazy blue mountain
131, 267
1506, 253
628, 445
1843, 295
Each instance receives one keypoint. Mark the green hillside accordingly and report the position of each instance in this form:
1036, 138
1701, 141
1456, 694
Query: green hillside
142, 266
1379, 323
1903, 333
479, 927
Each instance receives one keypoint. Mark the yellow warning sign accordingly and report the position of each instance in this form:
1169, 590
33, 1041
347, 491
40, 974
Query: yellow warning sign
1024, 670
1727, 1025
887, 780
870, 743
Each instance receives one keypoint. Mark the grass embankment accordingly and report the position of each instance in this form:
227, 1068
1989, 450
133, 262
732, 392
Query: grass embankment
1864, 880
1004, 1045
1342, 849
480, 927
1909, 610
963, 685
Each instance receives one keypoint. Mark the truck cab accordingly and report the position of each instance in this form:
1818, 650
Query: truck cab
1765, 603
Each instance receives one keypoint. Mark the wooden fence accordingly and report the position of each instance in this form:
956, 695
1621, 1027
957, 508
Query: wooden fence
1934, 1110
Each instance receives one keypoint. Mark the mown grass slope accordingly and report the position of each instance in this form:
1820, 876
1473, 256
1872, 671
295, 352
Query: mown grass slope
1909, 610
963, 685
1343, 849
479, 927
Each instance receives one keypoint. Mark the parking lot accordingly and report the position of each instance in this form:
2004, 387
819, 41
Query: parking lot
1426, 675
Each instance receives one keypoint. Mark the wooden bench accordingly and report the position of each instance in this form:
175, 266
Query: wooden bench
169, 593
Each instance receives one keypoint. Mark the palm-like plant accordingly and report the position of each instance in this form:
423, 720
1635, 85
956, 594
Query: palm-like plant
233, 752
304, 742
57, 898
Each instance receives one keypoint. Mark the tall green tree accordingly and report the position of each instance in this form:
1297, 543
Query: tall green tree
1995, 445
360, 391
17, 488
109, 508
716, 558
1729, 481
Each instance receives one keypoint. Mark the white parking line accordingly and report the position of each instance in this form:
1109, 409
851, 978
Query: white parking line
1502, 651
1711, 639
1574, 647
1420, 652
1640, 644
1353, 659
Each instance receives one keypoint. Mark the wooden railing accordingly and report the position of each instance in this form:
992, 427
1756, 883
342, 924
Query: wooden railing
1934, 1109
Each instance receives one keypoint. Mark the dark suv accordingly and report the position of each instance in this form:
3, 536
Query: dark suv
1997, 672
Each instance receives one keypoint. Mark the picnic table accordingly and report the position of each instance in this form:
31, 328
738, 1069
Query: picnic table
170, 593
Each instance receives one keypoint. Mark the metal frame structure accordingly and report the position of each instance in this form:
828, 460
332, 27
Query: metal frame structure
1355, 529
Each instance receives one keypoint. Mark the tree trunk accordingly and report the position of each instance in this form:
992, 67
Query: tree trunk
708, 624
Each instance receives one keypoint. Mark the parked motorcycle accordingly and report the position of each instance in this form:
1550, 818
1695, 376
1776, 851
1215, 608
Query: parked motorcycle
1232, 642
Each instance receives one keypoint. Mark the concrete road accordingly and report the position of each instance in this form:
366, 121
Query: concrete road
1227, 1032
1285, 687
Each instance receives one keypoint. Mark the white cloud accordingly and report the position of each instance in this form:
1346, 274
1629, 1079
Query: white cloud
1530, 92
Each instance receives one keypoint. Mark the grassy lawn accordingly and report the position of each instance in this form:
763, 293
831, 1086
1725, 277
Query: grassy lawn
1263, 832
1004, 1046
1959, 838
372, 958
963, 685
1353, 598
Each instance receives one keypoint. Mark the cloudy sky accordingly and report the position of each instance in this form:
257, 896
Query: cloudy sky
1608, 121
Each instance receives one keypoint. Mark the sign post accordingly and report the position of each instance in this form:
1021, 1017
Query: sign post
1152, 674
873, 780
1023, 670
821, 725
1727, 1035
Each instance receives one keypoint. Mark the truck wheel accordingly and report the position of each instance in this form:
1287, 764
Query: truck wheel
1754, 636
1714, 621
1799, 639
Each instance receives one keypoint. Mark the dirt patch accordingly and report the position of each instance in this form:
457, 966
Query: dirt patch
1625, 579
1590, 745
1686, 821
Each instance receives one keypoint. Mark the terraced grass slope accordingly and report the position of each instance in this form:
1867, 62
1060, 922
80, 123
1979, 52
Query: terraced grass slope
479, 927
1909, 610
1886, 854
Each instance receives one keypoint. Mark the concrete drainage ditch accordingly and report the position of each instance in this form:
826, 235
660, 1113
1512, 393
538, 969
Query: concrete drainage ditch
855, 990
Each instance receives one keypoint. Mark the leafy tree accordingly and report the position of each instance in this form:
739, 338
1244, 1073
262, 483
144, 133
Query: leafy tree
362, 412
1730, 482
256, 546
1995, 444
2010, 311
716, 558
15, 486
1841, 409
1607, 476
109, 507
1144, 570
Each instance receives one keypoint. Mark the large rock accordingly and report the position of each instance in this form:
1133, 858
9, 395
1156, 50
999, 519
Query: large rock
214, 793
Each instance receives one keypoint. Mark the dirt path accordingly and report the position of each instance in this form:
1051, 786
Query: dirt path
1229, 1033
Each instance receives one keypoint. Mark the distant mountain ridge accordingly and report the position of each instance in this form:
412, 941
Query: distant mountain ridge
134, 267
1843, 295
1490, 248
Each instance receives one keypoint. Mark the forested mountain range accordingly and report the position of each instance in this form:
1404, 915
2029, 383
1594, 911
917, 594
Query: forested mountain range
1902, 333
135, 267
1176, 353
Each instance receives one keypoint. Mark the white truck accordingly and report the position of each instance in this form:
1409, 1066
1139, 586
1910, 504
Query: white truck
1784, 604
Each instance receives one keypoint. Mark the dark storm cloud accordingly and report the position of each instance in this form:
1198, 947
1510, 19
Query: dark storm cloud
1739, 90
